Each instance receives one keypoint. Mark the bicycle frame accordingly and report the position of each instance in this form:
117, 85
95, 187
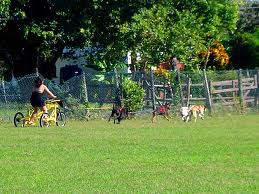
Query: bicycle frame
54, 115
26, 119
52, 106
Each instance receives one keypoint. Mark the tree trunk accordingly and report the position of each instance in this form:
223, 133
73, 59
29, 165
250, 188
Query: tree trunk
207, 58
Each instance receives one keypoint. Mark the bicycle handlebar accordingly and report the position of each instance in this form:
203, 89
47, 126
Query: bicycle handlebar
55, 101
52, 101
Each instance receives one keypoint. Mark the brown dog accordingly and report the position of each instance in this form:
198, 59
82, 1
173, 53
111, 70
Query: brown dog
197, 110
162, 110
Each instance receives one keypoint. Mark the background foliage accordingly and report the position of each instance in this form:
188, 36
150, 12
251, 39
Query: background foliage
34, 33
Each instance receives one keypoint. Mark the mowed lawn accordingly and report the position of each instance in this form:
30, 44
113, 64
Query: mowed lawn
217, 155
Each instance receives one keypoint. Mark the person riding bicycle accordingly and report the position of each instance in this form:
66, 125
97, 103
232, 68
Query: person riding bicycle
36, 97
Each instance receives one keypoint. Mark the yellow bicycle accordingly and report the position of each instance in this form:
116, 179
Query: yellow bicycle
54, 115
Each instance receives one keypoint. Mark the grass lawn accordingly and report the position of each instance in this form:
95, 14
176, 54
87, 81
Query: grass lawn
217, 155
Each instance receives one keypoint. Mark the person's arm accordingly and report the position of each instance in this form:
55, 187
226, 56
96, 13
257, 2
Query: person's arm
49, 92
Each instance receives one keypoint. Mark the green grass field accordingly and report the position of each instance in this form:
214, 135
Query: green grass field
217, 155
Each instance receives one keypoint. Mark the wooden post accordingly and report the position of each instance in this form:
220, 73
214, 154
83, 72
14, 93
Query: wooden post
5, 99
85, 88
120, 86
240, 89
247, 73
116, 78
118, 92
147, 89
180, 87
164, 97
207, 92
188, 91
37, 72
153, 90
171, 91
210, 90
233, 93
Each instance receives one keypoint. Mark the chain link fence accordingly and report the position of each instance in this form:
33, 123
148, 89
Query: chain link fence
97, 91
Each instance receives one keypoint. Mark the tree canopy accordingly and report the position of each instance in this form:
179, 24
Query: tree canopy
245, 51
180, 28
244, 44
37, 32
34, 33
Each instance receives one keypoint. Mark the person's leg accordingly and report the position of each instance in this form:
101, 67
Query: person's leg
44, 109
35, 110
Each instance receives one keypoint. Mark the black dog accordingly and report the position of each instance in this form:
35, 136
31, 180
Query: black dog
118, 114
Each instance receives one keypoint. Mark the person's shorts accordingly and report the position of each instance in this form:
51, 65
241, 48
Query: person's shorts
37, 101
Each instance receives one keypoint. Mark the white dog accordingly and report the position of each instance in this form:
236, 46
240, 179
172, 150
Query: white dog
185, 113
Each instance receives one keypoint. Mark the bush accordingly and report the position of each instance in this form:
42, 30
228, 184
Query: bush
221, 75
75, 109
133, 95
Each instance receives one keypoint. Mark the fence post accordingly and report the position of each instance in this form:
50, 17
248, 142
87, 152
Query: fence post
164, 97
153, 90
5, 99
210, 90
207, 92
180, 86
188, 91
240, 89
85, 88
116, 78
37, 72
118, 92
120, 85
233, 93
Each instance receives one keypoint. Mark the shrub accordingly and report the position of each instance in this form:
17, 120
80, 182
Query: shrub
222, 75
133, 95
75, 109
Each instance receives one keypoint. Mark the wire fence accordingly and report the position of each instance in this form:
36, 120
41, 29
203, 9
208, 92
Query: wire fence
98, 90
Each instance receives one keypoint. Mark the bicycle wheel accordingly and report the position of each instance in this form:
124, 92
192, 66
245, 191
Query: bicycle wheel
61, 119
18, 120
44, 120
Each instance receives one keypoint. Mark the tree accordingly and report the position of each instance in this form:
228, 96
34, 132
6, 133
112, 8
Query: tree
4, 12
249, 17
179, 28
107, 16
245, 50
39, 30
36, 32
162, 32
217, 58
245, 42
